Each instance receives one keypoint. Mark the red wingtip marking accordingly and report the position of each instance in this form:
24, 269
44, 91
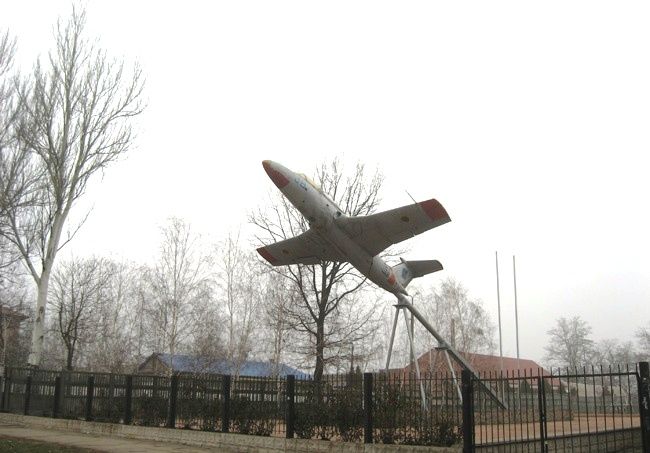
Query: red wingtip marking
278, 178
434, 210
266, 255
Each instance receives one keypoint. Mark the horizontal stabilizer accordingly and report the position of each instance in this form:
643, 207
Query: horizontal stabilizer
408, 270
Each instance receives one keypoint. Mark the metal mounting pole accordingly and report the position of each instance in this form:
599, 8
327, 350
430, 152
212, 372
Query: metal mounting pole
392, 339
403, 301
417, 366
453, 375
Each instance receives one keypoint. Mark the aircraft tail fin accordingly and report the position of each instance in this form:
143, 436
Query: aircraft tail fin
408, 270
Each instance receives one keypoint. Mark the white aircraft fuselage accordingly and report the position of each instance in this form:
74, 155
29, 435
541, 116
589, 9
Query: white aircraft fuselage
321, 213
334, 236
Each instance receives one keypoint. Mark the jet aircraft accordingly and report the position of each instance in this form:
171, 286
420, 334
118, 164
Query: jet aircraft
335, 236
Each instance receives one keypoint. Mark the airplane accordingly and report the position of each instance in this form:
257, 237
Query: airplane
335, 236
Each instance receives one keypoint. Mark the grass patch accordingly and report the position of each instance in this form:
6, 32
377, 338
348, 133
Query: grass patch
17, 445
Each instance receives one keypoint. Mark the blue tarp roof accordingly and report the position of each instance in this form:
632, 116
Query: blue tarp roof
191, 364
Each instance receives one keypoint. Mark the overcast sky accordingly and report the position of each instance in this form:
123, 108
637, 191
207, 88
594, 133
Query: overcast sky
528, 121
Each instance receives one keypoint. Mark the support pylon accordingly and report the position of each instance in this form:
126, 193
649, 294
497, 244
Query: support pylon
404, 304
398, 309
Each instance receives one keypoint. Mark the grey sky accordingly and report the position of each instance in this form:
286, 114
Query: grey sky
528, 121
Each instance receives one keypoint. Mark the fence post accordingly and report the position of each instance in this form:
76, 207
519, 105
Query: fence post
290, 414
6, 394
111, 396
643, 382
56, 408
90, 392
173, 397
28, 394
541, 403
225, 396
128, 404
467, 392
367, 406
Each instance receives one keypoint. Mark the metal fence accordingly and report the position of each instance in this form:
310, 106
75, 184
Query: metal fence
587, 409
427, 411
595, 409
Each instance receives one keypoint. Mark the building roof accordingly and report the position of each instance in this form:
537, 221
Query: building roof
484, 364
435, 361
511, 365
183, 363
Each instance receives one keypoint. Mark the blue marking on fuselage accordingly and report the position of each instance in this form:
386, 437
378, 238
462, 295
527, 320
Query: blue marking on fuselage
301, 182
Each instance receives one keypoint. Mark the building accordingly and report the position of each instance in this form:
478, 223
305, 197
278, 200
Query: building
161, 364
486, 365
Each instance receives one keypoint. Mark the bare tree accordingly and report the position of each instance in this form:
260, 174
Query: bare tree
278, 299
231, 269
643, 338
14, 294
117, 300
205, 337
138, 314
323, 289
75, 296
569, 343
74, 119
241, 286
613, 352
458, 317
10, 167
7, 91
179, 284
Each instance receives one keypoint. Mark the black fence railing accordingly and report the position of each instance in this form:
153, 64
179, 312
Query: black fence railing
427, 411
593, 409
588, 409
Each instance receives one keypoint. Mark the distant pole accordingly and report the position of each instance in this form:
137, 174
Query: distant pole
514, 277
496, 255
452, 333
412, 332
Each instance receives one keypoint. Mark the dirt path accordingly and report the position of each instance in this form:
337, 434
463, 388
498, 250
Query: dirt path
579, 425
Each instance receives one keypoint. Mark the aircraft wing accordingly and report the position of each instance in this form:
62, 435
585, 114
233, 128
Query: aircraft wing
376, 232
306, 248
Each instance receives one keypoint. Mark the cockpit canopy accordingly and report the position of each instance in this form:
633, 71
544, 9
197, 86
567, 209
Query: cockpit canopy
311, 183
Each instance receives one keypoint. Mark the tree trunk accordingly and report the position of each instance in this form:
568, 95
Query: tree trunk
320, 347
68, 361
39, 320
3, 334
43, 286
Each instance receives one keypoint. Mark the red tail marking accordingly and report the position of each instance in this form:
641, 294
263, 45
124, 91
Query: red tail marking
434, 210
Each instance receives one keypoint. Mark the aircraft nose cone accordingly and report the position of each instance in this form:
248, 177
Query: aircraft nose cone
276, 175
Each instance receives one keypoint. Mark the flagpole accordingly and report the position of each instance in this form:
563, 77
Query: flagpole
514, 277
496, 255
